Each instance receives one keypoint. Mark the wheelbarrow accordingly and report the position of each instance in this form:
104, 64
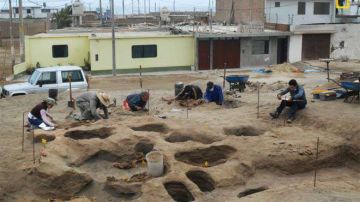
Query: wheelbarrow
352, 88
237, 82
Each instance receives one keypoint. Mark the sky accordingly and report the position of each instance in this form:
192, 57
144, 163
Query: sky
180, 5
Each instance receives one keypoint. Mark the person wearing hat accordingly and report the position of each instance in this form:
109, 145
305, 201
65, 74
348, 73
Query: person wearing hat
136, 102
214, 93
90, 102
39, 116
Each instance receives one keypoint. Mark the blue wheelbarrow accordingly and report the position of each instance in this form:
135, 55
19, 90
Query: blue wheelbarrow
237, 82
352, 88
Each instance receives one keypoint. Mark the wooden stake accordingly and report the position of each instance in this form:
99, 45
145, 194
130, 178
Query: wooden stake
140, 72
317, 157
23, 132
224, 75
258, 104
187, 112
33, 136
149, 102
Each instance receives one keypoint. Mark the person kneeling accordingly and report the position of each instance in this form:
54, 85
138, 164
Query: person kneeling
90, 102
39, 117
297, 101
136, 102
214, 94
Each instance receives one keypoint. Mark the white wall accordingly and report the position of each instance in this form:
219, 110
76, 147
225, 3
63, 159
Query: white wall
287, 13
350, 35
35, 13
295, 48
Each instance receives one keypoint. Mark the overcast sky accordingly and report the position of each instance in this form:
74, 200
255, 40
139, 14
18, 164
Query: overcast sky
94, 4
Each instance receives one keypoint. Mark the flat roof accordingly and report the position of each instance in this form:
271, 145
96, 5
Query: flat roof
95, 36
58, 68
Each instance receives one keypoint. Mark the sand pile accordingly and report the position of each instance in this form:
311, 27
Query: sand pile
285, 67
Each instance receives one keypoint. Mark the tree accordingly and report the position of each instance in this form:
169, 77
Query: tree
63, 18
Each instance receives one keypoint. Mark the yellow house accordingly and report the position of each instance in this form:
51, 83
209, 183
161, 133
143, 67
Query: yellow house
154, 51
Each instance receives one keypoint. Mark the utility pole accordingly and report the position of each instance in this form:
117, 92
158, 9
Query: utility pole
138, 7
21, 32
101, 13
149, 7
155, 7
145, 8
11, 37
132, 7
174, 6
123, 7
113, 38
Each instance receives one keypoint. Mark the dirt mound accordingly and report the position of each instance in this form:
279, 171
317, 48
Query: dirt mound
202, 180
121, 189
207, 157
58, 182
190, 135
178, 191
243, 131
248, 192
152, 127
101, 133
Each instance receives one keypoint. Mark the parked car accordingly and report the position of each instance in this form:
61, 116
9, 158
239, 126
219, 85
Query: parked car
43, 79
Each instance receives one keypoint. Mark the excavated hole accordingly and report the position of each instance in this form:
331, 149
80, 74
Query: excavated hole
121, 189
214, 155
181, 137
202, 180
46, 137
101, 133
144, 147
243, 131
252, 191
152, 127
125, 160
178, 191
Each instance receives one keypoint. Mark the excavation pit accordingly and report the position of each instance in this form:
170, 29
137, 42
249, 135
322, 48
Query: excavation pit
183, 137
178, 192
152, 127
101, 133
47, 137
248, 192
202, 180
144, 147
243, 131
121, 189
207, 157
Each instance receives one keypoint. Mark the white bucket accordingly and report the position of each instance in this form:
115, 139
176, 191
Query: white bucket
155, 163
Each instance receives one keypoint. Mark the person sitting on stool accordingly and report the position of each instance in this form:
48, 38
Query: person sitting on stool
297, 101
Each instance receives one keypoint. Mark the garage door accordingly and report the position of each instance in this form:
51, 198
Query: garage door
315, 46
204, 54
226, 51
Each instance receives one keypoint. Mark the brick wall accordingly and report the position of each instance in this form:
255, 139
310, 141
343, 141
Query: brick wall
31, 27
245, 11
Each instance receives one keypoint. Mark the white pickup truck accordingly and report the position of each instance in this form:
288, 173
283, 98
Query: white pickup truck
47, 78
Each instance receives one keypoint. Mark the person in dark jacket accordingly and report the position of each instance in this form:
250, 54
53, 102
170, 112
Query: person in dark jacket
136, 102
189, 92
296, 101
214, 93
39, 116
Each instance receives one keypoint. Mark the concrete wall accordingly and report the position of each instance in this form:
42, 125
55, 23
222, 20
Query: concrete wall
172, 51
31, 27
295, 48
245, 11
39, 49
287, 13
247, 59
349, 34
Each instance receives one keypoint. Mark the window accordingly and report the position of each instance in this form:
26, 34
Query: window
321, 8
144, 51
277, 4
96, 57
16, 10
45, 10
60, 51
47, 78
301, 8
28, 11
76, 76
260, 47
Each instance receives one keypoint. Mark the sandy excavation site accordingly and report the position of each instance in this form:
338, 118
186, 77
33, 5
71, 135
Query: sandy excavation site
211, 153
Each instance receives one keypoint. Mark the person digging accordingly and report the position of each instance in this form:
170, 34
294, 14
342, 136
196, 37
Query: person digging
189, 92
297, 101
39, 116
136, 102
89, 103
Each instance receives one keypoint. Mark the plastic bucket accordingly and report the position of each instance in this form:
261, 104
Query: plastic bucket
155, 163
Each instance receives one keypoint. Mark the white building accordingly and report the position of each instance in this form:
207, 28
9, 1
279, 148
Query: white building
297, 12
29, 12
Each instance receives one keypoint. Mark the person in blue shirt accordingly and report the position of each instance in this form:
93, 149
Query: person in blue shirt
214, 93
136, 102
297, 101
